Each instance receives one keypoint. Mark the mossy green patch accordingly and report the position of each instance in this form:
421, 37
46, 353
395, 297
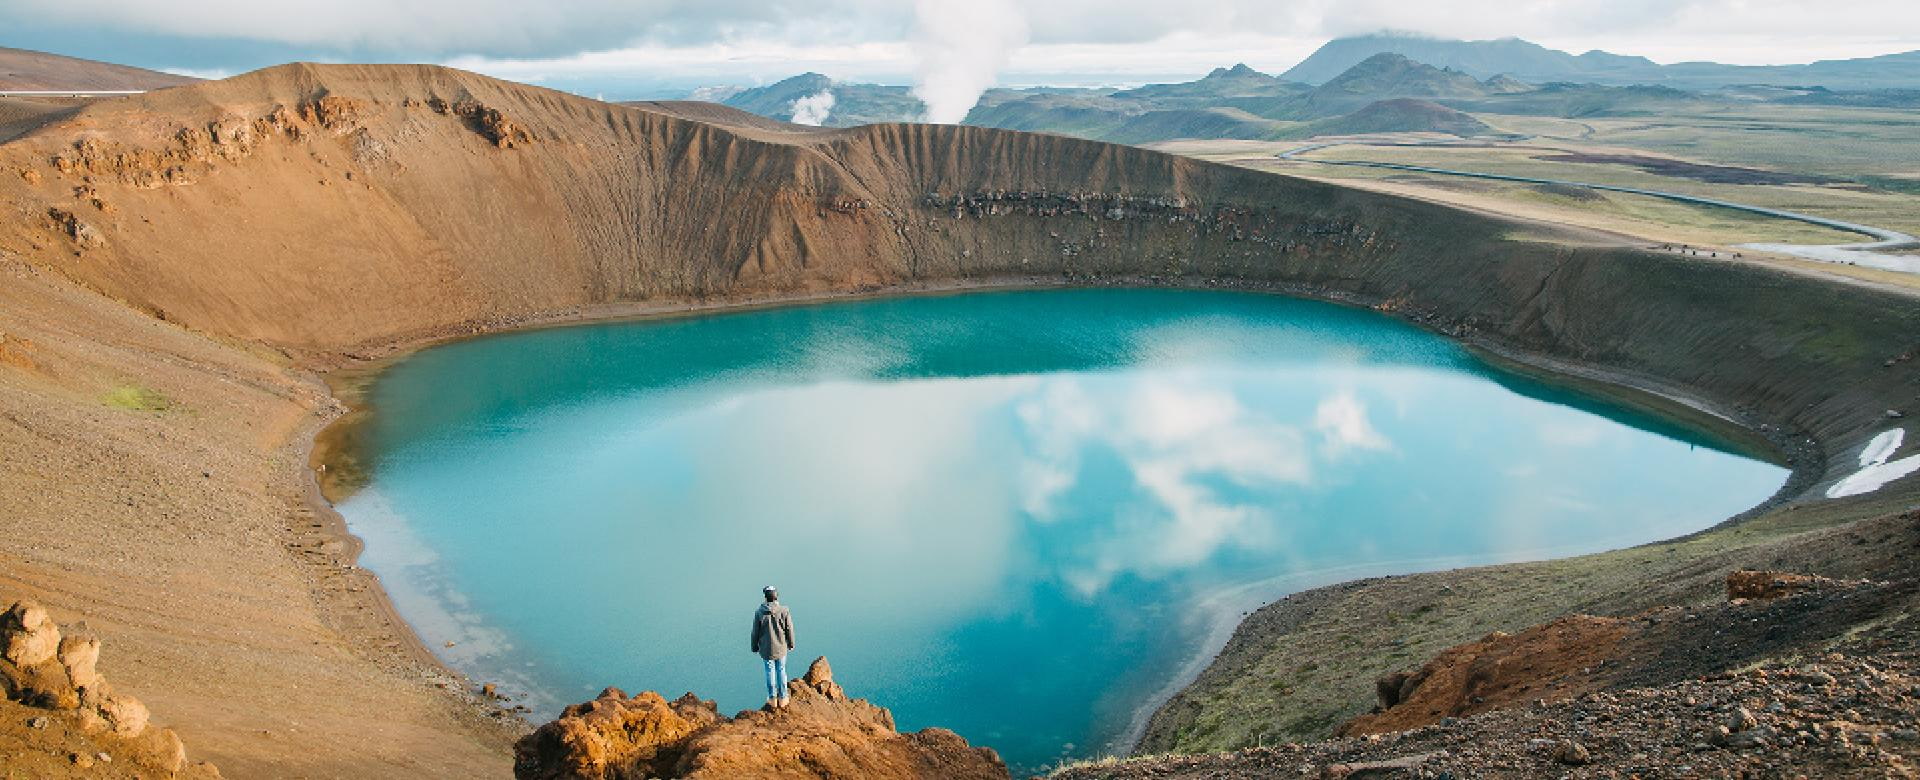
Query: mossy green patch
135, 398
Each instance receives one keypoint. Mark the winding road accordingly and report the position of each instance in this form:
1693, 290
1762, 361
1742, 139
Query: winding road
1867, 254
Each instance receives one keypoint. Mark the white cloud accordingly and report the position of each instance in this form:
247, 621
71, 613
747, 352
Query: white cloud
493, 27
1057, 419
1165, 414
957, 46
1181, 443
813, 109
1342, 422
961, 46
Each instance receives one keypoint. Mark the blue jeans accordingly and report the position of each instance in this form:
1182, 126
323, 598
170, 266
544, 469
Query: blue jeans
776, 678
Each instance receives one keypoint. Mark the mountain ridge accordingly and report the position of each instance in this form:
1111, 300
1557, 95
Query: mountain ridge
26, 69
1532, 62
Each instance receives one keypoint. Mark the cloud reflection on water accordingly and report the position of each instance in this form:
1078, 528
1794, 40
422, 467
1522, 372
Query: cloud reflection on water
1179, 435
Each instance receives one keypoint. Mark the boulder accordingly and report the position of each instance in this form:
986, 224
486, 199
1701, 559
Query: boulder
79, 655
1572, 753
29, 635
1741, 719
29, 670
1752, 584
124, 715
819, 677
167, 750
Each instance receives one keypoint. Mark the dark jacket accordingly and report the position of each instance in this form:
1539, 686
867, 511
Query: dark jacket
772, 630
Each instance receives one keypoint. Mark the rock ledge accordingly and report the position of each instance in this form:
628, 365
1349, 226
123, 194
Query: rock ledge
822, 734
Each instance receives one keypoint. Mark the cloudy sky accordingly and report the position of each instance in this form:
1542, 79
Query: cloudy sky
661, 45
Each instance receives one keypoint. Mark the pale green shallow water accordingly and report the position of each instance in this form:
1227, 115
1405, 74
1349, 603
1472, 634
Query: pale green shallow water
1022, 516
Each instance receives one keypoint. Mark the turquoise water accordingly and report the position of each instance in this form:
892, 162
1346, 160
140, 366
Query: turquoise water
1023, 516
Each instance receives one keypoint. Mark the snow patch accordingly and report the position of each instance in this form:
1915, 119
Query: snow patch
1876, 470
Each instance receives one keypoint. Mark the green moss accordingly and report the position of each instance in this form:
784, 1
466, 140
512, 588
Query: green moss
1310, 725
135, 398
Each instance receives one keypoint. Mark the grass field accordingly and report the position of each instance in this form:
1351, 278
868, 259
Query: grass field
1850, 164
1832, 141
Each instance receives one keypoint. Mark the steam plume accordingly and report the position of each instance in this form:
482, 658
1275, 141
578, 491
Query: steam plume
962, 45
813, 109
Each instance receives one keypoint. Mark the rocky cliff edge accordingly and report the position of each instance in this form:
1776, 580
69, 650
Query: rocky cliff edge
822, 734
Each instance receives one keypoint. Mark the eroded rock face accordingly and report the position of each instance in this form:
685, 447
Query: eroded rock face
1751, 584
31, 637
79, 655
1553, 661
613, 737
822, 734
125, 715
41, 669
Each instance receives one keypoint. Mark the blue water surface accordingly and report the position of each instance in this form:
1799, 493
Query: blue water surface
1024, 516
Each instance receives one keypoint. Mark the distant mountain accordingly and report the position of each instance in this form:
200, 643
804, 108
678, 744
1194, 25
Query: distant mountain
1484, 59
1383, 92
1393, 74
1379, 77
1532, 62
1238, 81
1088, 116
853, 104
1504, 84
23, 69
776, 100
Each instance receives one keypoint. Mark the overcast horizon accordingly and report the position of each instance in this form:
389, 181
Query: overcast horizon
654, 48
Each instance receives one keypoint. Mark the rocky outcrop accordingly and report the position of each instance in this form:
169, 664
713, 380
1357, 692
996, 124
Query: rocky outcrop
190, 151
488, 121
1750, 584
1768, 615
822, 734
83, 234
42, 669
1549, 661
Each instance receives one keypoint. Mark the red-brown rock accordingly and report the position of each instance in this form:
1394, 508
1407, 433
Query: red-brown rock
613, 738
1548, 661
822, 734
1751, 584
28, 635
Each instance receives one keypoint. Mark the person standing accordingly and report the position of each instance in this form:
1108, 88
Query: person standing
772, 638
